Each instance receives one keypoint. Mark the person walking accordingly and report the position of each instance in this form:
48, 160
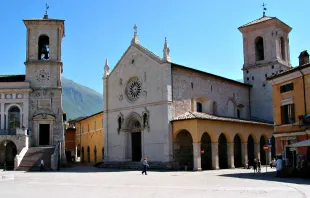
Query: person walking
41, 165
255, 166
145, 166
278, 166
258, 165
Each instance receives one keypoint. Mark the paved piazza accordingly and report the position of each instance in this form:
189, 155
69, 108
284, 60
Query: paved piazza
92, 182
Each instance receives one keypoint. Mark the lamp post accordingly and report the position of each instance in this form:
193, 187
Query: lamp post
5, 143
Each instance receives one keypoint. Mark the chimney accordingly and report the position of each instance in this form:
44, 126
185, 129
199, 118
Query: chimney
303, 58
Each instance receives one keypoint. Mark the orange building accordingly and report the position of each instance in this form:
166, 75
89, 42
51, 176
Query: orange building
291, 96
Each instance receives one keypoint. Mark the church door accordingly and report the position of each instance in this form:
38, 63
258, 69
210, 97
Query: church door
136, 146
44, 134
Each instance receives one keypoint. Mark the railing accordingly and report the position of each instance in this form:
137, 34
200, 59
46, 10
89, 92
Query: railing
8, 131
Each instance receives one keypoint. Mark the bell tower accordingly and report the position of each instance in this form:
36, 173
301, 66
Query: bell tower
266, 52
43, 71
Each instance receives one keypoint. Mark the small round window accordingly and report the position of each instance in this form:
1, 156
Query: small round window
133, 89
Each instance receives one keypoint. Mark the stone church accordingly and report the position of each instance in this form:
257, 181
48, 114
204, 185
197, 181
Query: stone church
31, 105
183, 118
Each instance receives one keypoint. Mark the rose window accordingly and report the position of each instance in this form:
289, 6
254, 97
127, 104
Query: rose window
133, 89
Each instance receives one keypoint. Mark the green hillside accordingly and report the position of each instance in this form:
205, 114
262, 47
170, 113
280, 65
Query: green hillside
79, 100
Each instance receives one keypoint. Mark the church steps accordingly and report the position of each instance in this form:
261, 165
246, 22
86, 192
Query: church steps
33, 156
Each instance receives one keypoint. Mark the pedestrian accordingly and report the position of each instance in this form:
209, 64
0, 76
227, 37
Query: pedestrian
41, 165
255, 165
278, 166
145, 166
258, 165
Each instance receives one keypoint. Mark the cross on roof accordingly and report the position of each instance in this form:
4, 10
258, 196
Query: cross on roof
264, 9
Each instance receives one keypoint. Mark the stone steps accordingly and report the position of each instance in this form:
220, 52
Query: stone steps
32, 159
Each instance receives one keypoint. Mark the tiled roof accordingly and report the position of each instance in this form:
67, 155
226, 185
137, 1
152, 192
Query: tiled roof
293, 69
262, 19
12, 78
204, 116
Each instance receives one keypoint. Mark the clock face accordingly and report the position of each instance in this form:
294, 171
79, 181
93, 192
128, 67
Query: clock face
43, 76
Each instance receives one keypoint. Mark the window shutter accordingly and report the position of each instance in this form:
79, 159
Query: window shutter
282, 115
293, 112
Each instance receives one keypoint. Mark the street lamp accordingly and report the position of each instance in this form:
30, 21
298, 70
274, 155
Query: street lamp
5, 143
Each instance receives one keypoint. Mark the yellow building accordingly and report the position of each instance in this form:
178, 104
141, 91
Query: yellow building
90, 138
291, 93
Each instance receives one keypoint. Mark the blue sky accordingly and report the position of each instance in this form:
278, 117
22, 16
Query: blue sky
201, 34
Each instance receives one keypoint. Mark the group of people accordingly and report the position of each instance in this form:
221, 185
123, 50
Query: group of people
256, 165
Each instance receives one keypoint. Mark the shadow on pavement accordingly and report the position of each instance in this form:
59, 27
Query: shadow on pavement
269, 176
86, 168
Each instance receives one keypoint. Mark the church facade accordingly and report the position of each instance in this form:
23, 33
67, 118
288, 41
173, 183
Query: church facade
31, 104
179, 117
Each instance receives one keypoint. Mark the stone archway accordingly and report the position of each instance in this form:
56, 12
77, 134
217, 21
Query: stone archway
135, 129
262, 142
82, 155
222, 149
183, 150
8, 151
250, 148
237, 151
206, 156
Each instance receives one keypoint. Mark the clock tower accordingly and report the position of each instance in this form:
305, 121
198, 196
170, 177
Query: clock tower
43, 71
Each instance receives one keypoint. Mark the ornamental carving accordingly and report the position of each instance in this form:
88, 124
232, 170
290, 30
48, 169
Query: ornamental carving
133, 89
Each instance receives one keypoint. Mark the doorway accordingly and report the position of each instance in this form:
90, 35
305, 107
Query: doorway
44, 134
136, 146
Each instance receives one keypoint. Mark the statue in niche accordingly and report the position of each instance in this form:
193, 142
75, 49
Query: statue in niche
145, 120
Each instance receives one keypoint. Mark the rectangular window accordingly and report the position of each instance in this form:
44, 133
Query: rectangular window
82, 129
87, 127
94, 125
288, 114
199, 107
238, 113
287, 87
102, 123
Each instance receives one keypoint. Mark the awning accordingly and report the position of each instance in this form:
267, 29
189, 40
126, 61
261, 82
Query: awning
300, 144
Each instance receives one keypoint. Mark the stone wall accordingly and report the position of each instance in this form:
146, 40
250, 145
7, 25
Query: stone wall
189, 85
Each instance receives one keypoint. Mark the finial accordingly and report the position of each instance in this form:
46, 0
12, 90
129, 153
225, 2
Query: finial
106, 68
135, 38
46, 8
264, 9
166, 52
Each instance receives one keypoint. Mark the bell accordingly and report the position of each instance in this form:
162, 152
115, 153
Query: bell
45, 52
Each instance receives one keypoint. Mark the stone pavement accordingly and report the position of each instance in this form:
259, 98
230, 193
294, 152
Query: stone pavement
85, 181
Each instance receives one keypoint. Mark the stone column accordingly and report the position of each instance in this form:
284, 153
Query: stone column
230, 155
2, 115
268, 155
244, 153
215, 155
257, 150
197, 156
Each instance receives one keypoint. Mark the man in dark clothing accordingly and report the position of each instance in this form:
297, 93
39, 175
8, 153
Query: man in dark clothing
145, 165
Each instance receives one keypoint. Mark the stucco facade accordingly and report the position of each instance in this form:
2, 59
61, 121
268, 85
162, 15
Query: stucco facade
89, 138
291, 107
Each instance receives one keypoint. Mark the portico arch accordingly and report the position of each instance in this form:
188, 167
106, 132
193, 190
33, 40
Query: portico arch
8, 151
250, 148
183, 149
206, 156
262, 142
237, 151
222, 148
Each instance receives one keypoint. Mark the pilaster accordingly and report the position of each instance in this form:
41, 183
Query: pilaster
215, 156
2, 115
197, 156
257, 150
244, 153
230, 155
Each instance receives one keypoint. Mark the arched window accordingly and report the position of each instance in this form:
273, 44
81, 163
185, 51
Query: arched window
259, 48
88, 154
43, 48
14, 117
282, 47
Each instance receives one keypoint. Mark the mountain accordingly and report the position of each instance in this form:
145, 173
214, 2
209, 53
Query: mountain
78, 100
